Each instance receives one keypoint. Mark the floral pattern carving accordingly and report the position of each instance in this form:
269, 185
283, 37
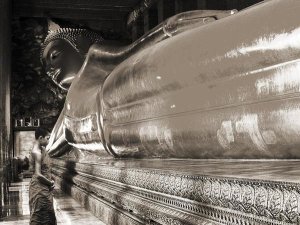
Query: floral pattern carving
223, 200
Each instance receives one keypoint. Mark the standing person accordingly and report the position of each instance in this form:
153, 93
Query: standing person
41, 185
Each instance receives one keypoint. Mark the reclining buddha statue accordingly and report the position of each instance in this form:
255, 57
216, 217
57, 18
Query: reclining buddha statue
229, 88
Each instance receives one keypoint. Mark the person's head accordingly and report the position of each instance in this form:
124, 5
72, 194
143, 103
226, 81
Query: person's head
24, 162
42, 135
64, 51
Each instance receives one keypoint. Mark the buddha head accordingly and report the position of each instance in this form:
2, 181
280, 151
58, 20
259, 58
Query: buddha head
64, 51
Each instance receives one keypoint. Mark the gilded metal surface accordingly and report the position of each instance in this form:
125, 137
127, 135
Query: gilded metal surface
63, 53
229, 89
108, 55
101, 60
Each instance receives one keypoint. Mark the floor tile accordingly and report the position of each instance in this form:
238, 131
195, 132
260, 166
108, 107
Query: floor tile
15, 210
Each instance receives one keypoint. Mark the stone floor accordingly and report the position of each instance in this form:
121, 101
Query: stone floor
15, 209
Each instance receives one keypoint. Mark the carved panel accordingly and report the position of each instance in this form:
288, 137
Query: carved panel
222, 200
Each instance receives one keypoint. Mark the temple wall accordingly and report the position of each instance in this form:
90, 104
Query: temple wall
33, 92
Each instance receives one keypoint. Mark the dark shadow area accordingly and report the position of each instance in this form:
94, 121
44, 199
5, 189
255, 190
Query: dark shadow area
66, 182
9, 198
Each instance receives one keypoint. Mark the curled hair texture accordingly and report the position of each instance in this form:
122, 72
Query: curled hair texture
41, 131
71, 36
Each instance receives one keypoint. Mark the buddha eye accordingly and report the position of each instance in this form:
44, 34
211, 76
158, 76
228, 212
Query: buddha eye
54, 55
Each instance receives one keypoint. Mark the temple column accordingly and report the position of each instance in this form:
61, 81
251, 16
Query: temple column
137, 29
134, 32
160, 11
201, 4
5, 73
146, 21
233, 4
178, 6
165, 9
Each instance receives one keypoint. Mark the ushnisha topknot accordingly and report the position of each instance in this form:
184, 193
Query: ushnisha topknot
72, 35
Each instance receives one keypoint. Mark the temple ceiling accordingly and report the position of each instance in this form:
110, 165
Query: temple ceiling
111, 14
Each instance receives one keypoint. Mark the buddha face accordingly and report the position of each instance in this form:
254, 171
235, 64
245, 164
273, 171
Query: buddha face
61, 62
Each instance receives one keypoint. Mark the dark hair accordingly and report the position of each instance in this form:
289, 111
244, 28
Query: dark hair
25, 163
41, 131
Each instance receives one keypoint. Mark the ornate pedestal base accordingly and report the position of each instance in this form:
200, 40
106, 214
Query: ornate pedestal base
185, 191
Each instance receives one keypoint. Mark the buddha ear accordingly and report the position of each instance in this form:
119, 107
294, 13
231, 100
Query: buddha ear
52, 26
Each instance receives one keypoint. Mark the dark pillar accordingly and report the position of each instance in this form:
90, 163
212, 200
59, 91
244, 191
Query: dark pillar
178, 6
137, 29
5, 71
233, 4
160, 11
165, 9
153, 16
217, 4
134, 32
201, 4
189, 5
146, 21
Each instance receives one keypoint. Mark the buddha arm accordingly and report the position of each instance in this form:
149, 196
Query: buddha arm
57, 143
59, 147
108, 55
